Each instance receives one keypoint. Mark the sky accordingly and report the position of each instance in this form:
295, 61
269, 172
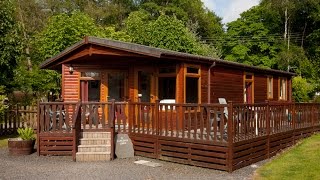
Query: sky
229, 10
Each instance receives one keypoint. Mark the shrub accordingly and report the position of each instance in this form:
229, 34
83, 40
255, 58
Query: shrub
26, 133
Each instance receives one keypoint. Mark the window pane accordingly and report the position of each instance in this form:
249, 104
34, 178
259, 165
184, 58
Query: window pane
191, 90
90, 74
248, 76
270, 87
192, 70
144, 88
116, 86
167, 88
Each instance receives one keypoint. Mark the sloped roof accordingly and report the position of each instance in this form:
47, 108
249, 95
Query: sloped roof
151, 52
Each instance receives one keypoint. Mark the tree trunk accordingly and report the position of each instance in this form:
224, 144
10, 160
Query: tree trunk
303, 33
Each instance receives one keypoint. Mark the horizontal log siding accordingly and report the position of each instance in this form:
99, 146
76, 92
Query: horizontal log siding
260, 88
226, 83
70, 86
204, 84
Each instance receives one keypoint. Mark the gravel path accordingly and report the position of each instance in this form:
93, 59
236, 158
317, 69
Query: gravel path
62, 167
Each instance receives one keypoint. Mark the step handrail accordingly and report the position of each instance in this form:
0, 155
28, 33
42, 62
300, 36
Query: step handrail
76, 128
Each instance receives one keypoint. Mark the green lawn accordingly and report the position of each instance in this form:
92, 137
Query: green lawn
300, 162
4, 140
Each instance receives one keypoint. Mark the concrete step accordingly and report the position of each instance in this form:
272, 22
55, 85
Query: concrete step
96, 135
94, 148
95, 141
93, 156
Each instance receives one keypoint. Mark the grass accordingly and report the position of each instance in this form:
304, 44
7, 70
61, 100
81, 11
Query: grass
4, 140
299, 162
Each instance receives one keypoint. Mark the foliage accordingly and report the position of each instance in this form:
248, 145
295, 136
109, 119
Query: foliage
62, 31
3, 107
248, 39
301, 89
188, 11
26, 133
165, 32
10, 44
300, 162
37, 82
111, 33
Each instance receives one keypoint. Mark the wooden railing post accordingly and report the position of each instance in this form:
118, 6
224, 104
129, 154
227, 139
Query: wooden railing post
230, 136
111, 114
130, 115
156, 118
268, 127
293, 121
38, 128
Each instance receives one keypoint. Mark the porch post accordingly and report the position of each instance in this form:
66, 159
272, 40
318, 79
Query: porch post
294, 121
268, 128
230, 137
38, 128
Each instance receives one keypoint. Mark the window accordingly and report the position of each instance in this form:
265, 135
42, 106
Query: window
116, 86
270, 87
192, 84
167, 87
248, 90
90, 86
283, 89
94, 75
167, 82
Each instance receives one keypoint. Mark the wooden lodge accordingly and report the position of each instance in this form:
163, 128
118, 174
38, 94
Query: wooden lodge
174, 106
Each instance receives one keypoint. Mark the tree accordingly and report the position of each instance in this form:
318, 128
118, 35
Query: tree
249, 39
62, 31
302, 90
165, 32
10, 42
188, 11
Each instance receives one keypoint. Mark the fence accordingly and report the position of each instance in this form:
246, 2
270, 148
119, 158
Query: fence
17, 116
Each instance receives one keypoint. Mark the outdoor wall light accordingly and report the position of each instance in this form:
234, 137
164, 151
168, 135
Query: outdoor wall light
71, 69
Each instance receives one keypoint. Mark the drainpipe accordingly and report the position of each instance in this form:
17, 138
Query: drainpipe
209, 79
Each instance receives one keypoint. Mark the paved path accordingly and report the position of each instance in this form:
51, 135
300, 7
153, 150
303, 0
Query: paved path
62, 167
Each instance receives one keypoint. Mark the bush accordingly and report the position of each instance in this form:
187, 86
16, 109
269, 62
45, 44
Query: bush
26, 133
301, 89
3, 107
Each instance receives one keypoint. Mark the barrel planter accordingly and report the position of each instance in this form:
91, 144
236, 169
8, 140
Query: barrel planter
17, 146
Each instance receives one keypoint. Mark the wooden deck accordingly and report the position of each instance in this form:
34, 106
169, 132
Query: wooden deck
224, 137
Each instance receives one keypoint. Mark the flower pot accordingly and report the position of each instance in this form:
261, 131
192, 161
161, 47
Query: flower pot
17, 146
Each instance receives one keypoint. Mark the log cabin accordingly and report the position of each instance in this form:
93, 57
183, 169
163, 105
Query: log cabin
167, 102
96, 69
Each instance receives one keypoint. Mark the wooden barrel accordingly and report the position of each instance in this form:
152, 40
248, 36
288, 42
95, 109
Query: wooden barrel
20, 147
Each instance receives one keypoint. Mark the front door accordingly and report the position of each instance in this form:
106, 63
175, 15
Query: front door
90, 86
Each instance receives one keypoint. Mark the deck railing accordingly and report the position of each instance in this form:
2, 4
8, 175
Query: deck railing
197, 122
223, 136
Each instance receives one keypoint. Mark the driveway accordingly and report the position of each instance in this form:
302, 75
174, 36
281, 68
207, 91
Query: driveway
62, 167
